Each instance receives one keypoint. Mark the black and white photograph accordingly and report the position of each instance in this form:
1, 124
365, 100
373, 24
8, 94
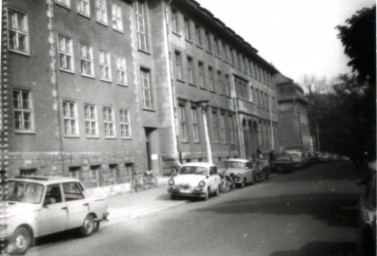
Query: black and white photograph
188, 128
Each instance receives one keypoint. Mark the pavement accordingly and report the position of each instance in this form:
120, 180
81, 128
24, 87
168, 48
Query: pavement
130, 205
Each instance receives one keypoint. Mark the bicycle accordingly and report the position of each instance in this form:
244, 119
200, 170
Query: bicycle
138, 183
150, 180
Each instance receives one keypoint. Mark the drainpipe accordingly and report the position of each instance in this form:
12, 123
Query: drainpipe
234, 98
172, 95
271, 123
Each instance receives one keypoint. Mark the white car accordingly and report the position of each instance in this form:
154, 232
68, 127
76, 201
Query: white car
195, 180
243, 170
39, 206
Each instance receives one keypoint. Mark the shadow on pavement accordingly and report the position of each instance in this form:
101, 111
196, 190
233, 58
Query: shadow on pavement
322, 249
339, 170
335, 209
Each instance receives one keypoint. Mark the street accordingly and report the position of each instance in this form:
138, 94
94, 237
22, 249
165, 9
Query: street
311, 212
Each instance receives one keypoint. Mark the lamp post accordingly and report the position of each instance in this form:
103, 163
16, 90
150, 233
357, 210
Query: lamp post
204, 105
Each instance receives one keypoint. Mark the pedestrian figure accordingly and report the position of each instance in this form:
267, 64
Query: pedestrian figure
271, 156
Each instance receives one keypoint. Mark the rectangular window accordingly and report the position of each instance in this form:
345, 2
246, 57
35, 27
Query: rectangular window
217, 46
65, 53
222, 127
101, 11
70, 118
195, 124
215, 126
198, 35
18, 32
113, 174
104, 65
175, 21
23, 111
66, 3
178, 66
86, 59
121, 70
187, 29
83, 7
108, 121
202, 79
147, 88
219, 82
208, 41
182, 121
232, 131
141, 26
125, 127
210, 78
90, 120
227, 85
190, 70
116, 12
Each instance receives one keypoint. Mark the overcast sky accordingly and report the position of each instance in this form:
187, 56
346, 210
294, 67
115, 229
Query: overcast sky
297, 36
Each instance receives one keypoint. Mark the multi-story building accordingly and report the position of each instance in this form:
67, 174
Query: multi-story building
293, 118
100, 88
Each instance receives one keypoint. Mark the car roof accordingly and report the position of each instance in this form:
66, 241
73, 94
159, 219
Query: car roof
45, 179
199, 164
237, 160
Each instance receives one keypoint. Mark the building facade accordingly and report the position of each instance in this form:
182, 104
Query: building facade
101, 89
293, 118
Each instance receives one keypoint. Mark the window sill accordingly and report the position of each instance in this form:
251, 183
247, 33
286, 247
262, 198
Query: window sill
144, 51
102, 23
185, 142
72, 136
26, 54
212, 91
88, 76
119, 31
209, 52
84, 15
63, 5
149, 109
96, 137
106, 81
180, 80
192, 84
122, 84
110, 138
176, 33
189, 41
30, 132
67, 71
126, 138
203, 88
199, 46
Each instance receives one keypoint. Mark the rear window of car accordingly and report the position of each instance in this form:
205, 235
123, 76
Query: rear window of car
193, 170
234, 164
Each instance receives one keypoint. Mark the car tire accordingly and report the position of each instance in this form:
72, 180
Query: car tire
88, 226
206, 195
173, 197
19, 242
243, 184
217, 191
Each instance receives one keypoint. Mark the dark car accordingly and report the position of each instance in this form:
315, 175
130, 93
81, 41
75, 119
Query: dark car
367, 210
282, 163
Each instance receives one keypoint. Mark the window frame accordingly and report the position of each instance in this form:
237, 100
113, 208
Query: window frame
141, 29
183, 121
70, 118
147, 92
195, 123
93, 121
86, 59
125, 123
29, 110
101, 12
18, 31
117, 20
82, 10
106, 65
108, 121
121, 67
66, 53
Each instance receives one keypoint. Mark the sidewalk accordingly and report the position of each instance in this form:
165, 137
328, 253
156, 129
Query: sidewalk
131, 205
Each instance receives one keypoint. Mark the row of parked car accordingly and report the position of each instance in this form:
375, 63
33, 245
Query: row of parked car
202, 179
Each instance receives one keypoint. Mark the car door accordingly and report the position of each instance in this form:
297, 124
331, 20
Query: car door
53, 214
78, 206
214, 178
249, 171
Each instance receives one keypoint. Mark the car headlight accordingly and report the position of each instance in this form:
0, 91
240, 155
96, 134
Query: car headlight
171, 182
202, 183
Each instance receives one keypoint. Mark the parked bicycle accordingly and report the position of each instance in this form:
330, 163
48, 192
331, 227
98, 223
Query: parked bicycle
227, 183
137, 183
150, 181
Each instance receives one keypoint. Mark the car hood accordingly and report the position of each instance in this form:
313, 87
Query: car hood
189, 179
17, 208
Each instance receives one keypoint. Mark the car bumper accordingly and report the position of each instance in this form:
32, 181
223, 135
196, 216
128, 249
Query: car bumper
186, 193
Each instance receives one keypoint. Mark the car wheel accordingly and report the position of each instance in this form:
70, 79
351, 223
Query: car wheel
243, 184
206, 195
217, 191
19, 242
88, 226
173, 197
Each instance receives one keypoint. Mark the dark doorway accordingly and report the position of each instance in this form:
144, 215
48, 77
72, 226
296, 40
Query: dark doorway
148, 132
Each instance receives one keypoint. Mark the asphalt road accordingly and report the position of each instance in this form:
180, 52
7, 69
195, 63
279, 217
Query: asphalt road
311, 212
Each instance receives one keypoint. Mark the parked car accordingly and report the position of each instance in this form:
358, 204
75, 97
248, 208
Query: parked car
367, 213
298, 160
282, 163
324, 157
39, 206
243, 171
195, 180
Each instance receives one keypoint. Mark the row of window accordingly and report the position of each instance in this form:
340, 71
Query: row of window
199, 76
204, 38
23, 117
222, 125
83, 7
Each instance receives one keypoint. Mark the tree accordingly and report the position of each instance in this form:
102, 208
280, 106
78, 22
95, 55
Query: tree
358, 38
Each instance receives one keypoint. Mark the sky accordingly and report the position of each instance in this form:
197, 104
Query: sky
297, 36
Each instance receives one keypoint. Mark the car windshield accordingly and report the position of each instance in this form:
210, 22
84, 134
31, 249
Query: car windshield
285, 157
193, 170
234, 164
295, 156
26, 192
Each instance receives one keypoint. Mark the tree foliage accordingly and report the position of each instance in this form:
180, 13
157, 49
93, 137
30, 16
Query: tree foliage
358, 37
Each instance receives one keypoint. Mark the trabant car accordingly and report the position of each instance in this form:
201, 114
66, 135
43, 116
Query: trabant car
38, 206
243, 170
198, 179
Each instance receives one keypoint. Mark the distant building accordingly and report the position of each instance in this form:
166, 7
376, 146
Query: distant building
100, 89
293, 118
